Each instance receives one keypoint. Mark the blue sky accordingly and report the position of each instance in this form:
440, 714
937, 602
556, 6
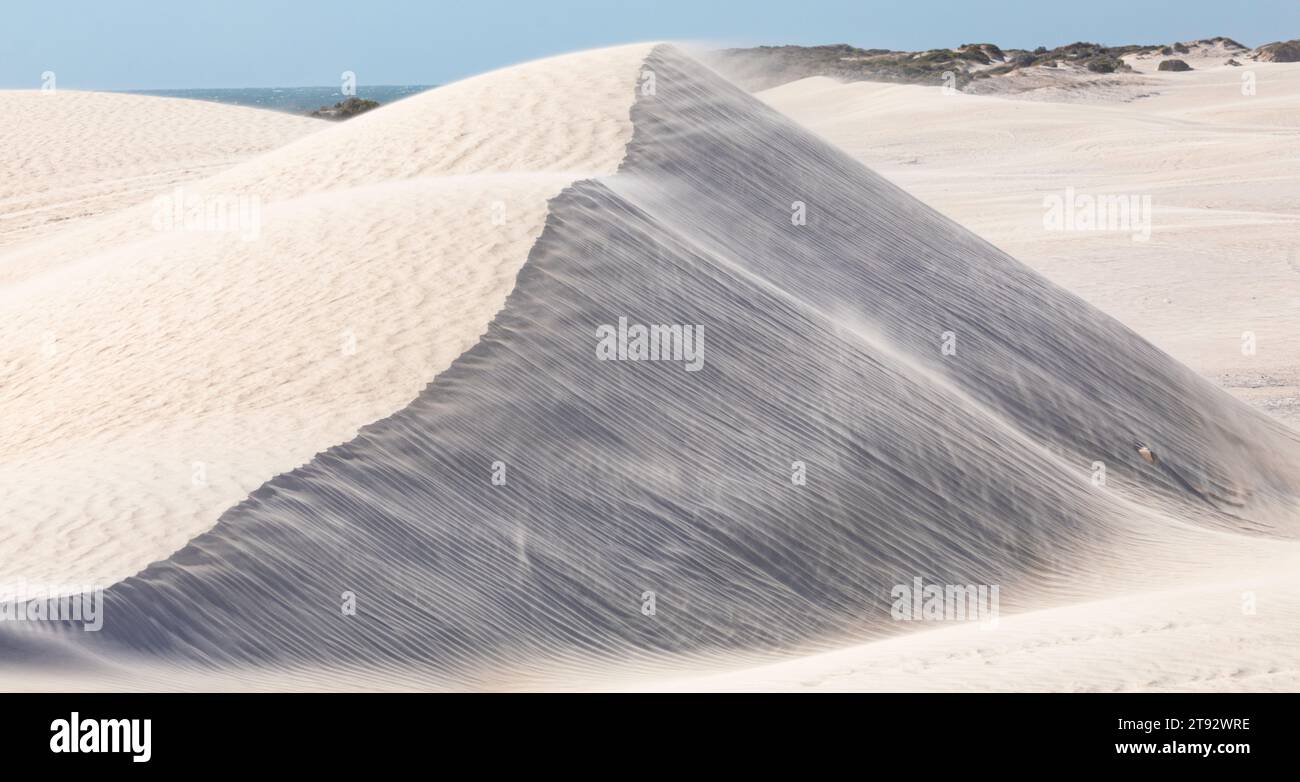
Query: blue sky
129, 44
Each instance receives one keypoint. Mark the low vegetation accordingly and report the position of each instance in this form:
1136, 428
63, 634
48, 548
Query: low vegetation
768, 66
346, 109
1281, 51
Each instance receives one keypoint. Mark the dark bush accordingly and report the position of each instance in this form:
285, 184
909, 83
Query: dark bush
346, 109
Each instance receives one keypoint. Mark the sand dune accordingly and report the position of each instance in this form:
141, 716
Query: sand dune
822, 351
153, 378
1221, 170
1194, 638
74, 155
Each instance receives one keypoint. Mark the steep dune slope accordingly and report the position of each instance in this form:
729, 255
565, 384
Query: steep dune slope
510, 522
1215, 156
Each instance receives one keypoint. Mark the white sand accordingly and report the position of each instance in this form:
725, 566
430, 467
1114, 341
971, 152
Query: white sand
72, 155
1222, 170
135, 360
1195, 638
150, 380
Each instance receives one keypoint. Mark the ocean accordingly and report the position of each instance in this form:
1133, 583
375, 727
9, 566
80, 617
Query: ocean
294, 100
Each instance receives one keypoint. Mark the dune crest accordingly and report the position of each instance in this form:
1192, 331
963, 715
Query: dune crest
944, 404
151, 378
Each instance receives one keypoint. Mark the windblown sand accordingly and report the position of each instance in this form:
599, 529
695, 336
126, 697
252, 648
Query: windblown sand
416, 302
1221, 169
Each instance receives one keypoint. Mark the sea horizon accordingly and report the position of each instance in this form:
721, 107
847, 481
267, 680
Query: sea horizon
293, 100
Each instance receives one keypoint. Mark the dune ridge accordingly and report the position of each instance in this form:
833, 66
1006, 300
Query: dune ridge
823, 346
1218, 167
151, 379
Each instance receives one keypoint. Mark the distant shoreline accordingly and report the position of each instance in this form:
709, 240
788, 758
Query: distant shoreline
291, 100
